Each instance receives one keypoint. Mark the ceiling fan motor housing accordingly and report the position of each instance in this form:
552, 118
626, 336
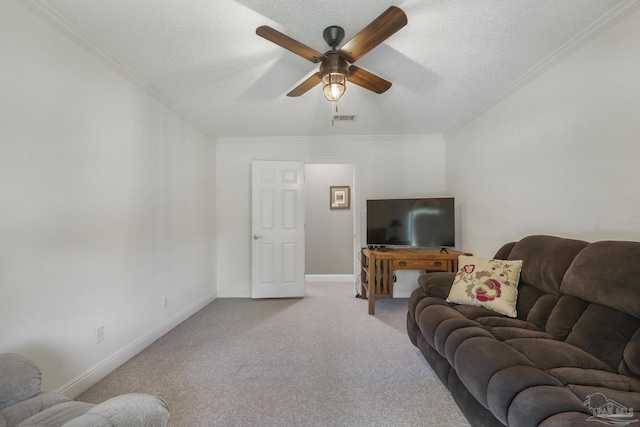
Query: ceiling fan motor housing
334, 64
333, 36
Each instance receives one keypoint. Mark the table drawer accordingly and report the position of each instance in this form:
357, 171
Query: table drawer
418, 264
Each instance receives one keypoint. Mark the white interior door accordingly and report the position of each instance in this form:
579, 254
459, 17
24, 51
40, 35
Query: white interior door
277, 217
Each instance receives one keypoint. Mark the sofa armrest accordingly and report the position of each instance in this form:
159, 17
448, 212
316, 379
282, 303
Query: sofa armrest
504, 251
437, 284
127, 410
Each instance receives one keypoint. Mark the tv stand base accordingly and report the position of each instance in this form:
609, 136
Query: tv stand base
379, 266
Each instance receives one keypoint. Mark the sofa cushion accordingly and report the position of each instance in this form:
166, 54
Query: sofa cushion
492, 284
427, 302
547, 260
438, 363
505, 322
509, 333
473, 312
432, 316
607, 273
630, 364
609, 400
504, 328
541, 310
548, 354
595, 378
604, 333
564, 316
535, 405
478, 359
564, 419
506, 384
527, 298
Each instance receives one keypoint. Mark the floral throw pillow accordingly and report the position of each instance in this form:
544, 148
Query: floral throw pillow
489, 283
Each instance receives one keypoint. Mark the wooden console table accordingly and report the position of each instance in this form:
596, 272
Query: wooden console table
378, 268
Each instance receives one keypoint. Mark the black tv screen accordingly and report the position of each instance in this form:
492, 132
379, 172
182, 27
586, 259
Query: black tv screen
423, 223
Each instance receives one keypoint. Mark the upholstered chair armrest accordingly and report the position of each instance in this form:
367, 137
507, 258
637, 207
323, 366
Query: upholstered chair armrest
437, 284
20, 379
18, 412
126, 410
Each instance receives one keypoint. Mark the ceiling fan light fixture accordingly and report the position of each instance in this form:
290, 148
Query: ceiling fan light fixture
334, 72
334, 86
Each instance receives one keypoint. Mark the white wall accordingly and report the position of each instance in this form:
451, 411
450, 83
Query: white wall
107, 205
559, 155
393, 166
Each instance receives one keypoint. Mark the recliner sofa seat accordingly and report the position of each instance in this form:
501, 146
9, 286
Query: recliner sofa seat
575, 340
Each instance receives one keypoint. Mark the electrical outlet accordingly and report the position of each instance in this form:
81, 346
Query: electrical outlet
99, 334
165, 302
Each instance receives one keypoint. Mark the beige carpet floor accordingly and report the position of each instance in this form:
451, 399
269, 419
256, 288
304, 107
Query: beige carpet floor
317, 361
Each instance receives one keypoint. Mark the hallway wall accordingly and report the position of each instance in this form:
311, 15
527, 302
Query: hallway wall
329, 232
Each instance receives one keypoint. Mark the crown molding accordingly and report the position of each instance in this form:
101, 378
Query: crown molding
49, 15
607, 21
331, 138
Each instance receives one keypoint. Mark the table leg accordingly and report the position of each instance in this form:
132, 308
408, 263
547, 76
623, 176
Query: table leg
372, 298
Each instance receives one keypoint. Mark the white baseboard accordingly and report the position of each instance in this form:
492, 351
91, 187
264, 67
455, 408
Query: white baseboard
85, 380
325, 278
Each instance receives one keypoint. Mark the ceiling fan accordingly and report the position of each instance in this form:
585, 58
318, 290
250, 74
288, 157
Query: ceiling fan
336, 65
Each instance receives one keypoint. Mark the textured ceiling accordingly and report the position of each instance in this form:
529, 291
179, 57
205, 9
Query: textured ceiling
450, 61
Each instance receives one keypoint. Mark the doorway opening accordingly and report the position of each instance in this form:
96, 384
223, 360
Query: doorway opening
330, 234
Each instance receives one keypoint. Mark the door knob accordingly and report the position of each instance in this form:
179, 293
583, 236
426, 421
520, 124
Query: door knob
257, 236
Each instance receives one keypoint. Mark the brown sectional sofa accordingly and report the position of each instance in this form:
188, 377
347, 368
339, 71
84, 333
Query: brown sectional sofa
572, 354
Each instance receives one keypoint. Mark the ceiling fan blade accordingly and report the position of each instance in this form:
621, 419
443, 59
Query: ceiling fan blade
367, 80
303, 87
288, 43
380, 29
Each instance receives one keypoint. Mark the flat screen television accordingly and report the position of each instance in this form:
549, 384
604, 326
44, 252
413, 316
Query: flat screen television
420, 223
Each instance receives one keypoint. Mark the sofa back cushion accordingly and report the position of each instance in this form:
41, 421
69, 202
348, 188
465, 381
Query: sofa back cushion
546, 259
604, 333
607, 273
564, 315
528, 297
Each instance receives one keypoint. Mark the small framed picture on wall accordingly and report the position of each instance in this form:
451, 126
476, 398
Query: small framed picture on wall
340, 197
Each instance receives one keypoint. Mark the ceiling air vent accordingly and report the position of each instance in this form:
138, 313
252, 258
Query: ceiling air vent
345, 117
